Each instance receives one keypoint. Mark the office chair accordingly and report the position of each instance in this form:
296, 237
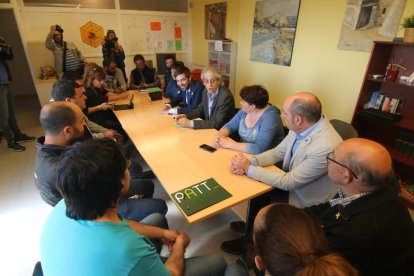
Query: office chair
345, 130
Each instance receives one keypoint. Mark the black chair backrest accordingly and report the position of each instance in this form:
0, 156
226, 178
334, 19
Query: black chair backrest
345, 130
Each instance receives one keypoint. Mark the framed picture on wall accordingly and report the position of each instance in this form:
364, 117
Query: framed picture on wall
274, 29
215, 21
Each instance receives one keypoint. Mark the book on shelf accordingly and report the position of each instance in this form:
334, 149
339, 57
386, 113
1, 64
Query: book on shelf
404, 143
385, 103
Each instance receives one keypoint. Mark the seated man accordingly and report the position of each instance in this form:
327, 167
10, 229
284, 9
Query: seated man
143, 76
216, 107
168, 61
115, 81
303, 151
85, 235
367, 223
173, 91
63, 123
191, 91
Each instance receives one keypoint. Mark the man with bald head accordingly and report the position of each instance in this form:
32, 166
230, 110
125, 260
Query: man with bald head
366, 222
63, 124
303, 152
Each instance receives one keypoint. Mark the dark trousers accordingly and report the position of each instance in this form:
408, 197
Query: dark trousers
8, 121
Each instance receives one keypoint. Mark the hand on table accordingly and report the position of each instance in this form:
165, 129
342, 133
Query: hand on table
105, 106
221, 142
240, 164
113, 134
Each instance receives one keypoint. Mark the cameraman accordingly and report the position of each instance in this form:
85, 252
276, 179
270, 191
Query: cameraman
67, 57
8, 123
111, 49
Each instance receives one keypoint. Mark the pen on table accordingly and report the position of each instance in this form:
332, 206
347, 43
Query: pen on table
186, 202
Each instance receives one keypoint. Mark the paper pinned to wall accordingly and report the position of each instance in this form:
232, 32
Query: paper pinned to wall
218, 46
177, 32
170, 46
155, 26
178, 45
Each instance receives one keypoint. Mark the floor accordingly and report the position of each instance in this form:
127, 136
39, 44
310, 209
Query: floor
22, 211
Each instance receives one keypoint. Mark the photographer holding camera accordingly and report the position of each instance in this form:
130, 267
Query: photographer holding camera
67, 56
8, 123
112, 50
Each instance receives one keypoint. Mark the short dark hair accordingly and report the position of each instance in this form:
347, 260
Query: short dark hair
255, 94
311, 110
55, 116
89, 177
177, 64
139, 57
107, 62
63, 89
184, 70
169, 57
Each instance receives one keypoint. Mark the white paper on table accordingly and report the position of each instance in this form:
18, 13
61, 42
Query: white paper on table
218, 46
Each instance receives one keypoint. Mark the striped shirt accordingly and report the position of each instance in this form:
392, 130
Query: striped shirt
73, 62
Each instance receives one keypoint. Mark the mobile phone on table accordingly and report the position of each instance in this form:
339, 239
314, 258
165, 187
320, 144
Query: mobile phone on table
207, 148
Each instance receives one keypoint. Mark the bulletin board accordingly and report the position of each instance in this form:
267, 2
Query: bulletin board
155, 34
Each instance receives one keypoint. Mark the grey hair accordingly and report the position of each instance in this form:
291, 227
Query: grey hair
213, 70
311, 110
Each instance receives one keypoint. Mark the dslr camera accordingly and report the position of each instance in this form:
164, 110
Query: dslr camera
110, 43
5, 51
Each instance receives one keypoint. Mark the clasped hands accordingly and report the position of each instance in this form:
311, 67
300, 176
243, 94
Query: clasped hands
240, 164
173, 238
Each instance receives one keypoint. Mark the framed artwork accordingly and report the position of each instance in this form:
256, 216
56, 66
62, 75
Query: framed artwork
215, 21
366, 21
274, 29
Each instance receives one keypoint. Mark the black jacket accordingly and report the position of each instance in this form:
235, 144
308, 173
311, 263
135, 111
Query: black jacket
375, 233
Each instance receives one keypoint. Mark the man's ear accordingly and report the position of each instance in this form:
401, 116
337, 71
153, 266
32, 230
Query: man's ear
68, 132
68, 100
259, 263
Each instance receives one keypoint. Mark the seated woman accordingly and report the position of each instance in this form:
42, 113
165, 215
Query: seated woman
289, 242
99, 108
85, 235
258, 123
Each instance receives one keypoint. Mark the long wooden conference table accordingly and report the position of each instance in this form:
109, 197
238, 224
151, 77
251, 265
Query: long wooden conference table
174, 156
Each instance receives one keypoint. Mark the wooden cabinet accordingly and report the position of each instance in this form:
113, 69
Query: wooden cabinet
225, 62
380, 127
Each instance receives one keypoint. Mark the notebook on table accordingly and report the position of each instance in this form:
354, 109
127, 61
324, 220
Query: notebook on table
155, 93
125, 104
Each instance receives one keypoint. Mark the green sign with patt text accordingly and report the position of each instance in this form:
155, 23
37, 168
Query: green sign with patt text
200, 196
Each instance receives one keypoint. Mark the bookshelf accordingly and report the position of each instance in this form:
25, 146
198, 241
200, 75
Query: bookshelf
396, 133
225, 62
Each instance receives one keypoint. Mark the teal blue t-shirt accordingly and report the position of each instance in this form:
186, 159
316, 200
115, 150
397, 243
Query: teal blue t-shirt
83, 247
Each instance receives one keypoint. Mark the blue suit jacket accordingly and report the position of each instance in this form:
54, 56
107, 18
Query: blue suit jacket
190, 101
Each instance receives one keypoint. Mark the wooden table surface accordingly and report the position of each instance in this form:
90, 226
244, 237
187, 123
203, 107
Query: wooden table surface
174, 156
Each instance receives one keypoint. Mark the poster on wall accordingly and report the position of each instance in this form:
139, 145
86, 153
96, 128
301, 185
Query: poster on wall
215, 21
274, 29
366, 21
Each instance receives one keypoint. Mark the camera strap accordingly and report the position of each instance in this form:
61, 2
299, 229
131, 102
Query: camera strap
65, 48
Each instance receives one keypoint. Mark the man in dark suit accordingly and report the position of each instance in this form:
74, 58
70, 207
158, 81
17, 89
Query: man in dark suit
191, 92
216, 107
366, 222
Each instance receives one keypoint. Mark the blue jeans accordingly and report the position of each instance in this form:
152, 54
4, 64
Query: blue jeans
8, 121
142, 188
138, 209
209, 265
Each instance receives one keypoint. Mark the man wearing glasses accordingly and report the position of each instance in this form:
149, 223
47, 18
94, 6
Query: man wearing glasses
216, 107
303, 152
366, 222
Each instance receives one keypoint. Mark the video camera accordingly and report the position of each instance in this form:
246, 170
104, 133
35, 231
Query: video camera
5, 50
110, 43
